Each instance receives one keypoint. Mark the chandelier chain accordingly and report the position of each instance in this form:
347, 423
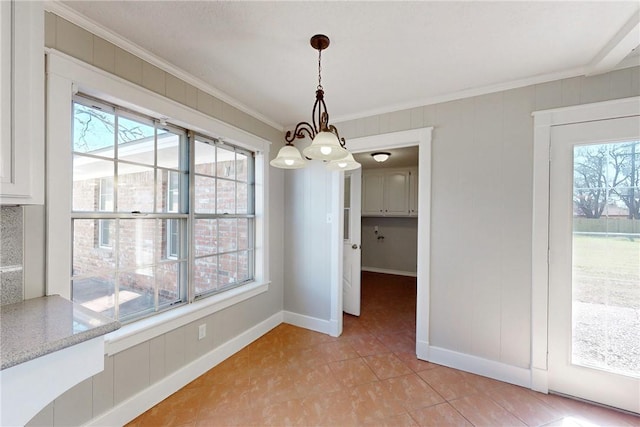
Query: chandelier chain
319, 68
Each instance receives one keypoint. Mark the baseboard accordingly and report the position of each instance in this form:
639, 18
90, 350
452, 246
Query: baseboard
422, 350
388, 271
152, 395
308, 322
478, 365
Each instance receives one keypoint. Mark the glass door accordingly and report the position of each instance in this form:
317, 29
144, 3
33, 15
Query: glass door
594, 262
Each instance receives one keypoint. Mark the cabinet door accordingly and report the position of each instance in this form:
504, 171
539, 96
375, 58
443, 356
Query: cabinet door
396, 193
372, 193
413, 192
6, 144
22, 102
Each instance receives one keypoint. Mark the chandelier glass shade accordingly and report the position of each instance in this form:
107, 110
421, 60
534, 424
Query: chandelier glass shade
345, 164
288, 158
326, 144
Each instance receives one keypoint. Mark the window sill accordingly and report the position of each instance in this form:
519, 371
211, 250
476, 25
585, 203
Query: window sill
145, 329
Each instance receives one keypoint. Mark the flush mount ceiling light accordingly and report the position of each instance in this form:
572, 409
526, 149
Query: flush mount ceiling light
381, 156
326, 143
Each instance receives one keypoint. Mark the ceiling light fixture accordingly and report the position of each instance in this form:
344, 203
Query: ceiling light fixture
381, 156
326, 142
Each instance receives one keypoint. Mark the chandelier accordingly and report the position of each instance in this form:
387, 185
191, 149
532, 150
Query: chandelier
326, 142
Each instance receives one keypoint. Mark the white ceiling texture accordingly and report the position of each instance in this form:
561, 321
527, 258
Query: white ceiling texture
384, 56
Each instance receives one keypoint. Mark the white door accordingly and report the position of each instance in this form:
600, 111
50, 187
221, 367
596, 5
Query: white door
594, 262
351, 249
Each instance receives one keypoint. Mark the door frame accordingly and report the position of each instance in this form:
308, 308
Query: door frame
543, 121
422, 138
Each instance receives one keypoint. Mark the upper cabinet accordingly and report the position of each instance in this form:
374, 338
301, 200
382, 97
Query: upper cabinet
21, 102
372, 192
388, 192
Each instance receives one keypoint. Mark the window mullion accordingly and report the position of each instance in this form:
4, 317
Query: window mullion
116, 275
156, 235
190, 204
115, 163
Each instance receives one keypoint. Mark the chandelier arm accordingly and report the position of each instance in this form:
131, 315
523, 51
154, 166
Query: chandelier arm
334, 130
299, 132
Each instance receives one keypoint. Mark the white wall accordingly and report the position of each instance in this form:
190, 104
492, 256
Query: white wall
398, 251
307, 252
480, 295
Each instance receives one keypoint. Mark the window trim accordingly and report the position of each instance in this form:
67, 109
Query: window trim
67, 75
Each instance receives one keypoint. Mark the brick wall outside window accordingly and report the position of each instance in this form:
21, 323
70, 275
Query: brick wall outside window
136, 236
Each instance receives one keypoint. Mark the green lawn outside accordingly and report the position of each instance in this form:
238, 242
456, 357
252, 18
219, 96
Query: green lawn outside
606, 308
606, 270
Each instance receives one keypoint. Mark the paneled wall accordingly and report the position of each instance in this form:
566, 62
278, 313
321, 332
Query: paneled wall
133, 370
481, 202
307, 241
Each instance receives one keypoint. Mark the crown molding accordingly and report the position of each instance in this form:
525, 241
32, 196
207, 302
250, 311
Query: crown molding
71, 15
467, 93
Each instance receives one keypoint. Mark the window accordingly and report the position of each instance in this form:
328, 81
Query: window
132, 180
223, 215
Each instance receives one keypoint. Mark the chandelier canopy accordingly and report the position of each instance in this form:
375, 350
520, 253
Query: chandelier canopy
326, 142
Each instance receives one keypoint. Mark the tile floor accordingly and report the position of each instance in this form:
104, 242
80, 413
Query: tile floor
367, 376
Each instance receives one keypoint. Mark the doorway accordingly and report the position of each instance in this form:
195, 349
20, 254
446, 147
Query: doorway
586, 263
422, 139
594, 280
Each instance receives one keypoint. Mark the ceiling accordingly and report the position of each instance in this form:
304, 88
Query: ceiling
399, 158
384, 56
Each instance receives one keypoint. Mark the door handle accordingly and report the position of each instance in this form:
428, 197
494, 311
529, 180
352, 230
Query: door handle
354, 246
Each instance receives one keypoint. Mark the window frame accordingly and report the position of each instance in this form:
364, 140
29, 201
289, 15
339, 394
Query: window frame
112, 215
104, 238
67, 76
172, 247
216, 215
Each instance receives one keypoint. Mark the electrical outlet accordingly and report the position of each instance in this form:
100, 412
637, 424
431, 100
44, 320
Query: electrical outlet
202, 331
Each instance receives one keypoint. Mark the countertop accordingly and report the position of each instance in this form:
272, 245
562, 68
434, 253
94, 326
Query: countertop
39, 326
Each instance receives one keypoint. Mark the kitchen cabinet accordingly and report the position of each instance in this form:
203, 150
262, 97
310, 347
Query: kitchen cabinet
385, 192
21, 102
372, 193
